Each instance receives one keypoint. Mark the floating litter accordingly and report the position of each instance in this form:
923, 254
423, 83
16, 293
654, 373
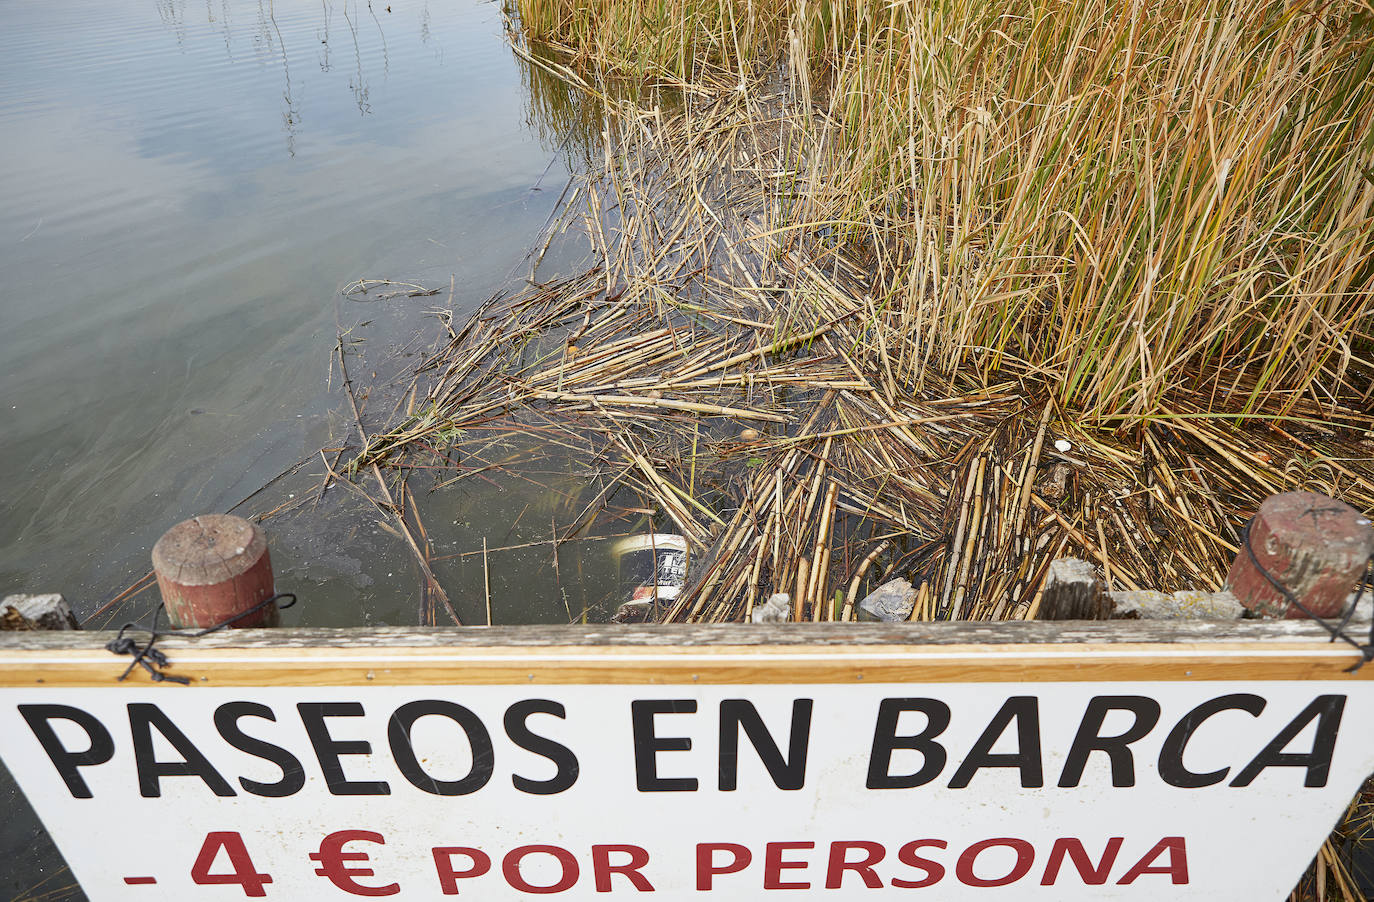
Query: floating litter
653, 569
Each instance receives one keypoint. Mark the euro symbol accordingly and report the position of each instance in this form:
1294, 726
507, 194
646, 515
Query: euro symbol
332, 857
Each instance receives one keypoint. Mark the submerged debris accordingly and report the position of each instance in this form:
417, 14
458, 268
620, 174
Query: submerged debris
652, 569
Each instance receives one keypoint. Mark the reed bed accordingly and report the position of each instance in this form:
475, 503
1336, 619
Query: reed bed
744, 386
1135, 198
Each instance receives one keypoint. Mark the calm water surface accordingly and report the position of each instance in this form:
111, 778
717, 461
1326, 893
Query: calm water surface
185, 187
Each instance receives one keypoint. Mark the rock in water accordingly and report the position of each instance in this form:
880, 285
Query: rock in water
1187, 605
892, 601
777, 609
36, 612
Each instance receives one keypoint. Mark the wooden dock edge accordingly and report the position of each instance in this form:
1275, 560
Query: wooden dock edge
959, 652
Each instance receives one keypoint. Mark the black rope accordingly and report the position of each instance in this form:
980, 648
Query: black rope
153, 660
125, 645
1337, 631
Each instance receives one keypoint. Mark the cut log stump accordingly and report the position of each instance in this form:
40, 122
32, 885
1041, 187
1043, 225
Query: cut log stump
1316, 547
1073, 592
212, 569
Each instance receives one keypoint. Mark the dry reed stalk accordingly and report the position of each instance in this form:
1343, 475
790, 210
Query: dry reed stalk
431, 584
820, 577
859, 573
1028, 472
666, 404
799, 599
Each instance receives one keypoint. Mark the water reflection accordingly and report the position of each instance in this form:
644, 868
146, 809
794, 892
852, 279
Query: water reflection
570, 117
225, 23
386, 60
173, 13
358, 84
290, 117
270, 46
323, 35
561, 114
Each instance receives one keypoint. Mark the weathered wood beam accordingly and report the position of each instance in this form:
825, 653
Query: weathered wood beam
649, 636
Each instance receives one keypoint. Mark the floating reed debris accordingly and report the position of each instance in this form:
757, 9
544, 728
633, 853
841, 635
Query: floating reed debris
745, 383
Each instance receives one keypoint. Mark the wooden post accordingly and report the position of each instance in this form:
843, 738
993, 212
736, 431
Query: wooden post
1315, 546
212, 568
1073, 592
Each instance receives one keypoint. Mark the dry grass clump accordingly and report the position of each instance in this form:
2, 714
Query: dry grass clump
1134, 199
671, 41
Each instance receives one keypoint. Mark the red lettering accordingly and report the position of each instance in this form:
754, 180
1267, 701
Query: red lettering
1025, 856
773, 864
244, 874
839, 863
706, 867
448, 877
1092, 876
1177, 868
510, 866
935, 872
333, 858
603, 869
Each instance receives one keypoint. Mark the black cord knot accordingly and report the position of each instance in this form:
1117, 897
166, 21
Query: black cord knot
146, 656
153, 659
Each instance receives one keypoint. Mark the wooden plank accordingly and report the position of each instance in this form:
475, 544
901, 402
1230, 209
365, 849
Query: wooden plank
1003, 632
733, 654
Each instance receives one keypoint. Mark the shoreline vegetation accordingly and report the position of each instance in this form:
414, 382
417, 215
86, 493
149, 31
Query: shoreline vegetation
1135, 202
939, 291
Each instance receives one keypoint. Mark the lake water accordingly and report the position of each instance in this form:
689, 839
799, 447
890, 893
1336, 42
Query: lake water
185, 187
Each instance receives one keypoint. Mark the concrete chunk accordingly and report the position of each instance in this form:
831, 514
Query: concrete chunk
891, 602
36, 612
1186, 605
777, 609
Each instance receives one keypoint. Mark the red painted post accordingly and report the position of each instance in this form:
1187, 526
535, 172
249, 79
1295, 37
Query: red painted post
1315, 546
213, 567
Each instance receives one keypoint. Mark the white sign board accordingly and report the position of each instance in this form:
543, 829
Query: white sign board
973, 789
